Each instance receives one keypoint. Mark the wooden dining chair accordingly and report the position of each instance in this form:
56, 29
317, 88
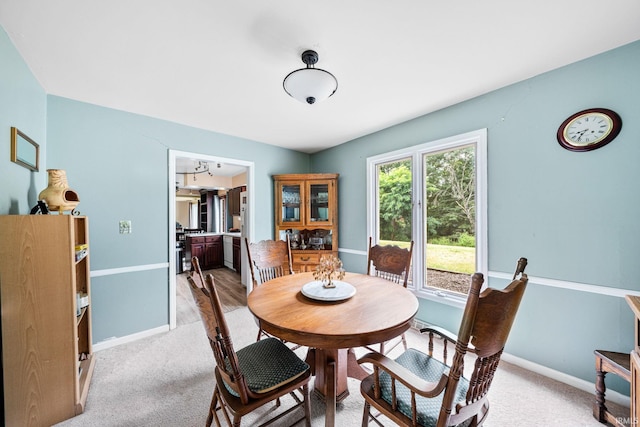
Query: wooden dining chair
389, 262
196, 271
253, 376
392, 263
418, 389
268, 259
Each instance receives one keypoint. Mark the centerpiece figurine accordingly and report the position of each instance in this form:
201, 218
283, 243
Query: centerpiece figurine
330, 268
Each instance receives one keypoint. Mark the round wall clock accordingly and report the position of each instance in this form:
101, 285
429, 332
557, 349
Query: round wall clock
589, 129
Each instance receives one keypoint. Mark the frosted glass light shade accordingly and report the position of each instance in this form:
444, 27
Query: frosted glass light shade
310, 85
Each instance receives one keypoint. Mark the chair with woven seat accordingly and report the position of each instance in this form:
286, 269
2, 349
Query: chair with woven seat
253, 376
418, 389
391, 263
268, 259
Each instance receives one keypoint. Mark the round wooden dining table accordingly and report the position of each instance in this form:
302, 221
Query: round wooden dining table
378, 311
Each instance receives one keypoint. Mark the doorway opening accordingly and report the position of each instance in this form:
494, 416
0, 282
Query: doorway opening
190, 176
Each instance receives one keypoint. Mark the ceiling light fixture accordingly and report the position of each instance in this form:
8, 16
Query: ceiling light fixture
310, 85
200, 167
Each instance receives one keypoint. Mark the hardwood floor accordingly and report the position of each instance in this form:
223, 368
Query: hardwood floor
232, 294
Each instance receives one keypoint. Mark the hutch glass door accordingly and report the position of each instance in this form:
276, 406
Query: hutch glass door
290, 196
319, 208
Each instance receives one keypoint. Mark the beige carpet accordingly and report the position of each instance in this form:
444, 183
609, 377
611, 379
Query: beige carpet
167, 380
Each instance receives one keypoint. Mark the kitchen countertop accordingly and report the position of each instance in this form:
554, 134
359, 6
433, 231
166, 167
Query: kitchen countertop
212, 234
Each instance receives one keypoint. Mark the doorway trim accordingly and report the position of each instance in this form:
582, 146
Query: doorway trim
171, 227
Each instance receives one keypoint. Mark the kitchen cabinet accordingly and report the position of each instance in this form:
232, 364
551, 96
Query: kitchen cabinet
194, 247
232, 252
233, 200
306, 208
236, 254
213, 252
208, 249
47, 354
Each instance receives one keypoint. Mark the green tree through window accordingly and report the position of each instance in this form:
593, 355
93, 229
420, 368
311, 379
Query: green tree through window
434, 194
394, 191
450, 194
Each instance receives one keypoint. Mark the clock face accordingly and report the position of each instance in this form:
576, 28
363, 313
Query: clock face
589, 129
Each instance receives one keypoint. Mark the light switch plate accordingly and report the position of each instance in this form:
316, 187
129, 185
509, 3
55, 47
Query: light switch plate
125, 227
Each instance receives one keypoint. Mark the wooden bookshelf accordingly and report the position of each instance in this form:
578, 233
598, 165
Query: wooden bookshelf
46, 339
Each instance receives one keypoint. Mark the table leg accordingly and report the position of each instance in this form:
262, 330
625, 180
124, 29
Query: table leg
332, 367
354, 369
331, 379
322, 360
330, 411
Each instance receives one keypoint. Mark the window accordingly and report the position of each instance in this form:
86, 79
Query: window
194, 215
435, 195
395, 202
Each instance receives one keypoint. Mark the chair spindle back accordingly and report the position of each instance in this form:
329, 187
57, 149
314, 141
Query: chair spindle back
268, 259
390, 262
486, 323
212, 315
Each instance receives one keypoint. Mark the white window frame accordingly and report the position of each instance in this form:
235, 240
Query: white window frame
478, 139
194, 215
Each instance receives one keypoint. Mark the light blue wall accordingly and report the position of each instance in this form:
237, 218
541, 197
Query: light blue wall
573, 215
117, 162
23, 104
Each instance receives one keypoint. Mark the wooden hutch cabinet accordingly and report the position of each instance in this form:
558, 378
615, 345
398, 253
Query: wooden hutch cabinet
306, 208
47, 359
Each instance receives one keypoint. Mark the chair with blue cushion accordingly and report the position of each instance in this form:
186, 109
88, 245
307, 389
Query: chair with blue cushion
253, 376
418, 389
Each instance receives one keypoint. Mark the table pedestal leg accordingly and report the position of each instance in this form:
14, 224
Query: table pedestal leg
330, 410
324, 377
354, 369
331, 379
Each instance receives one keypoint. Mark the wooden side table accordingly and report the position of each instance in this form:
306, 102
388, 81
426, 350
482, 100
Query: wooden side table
616, 363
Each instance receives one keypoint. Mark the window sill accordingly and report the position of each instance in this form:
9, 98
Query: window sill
441, 297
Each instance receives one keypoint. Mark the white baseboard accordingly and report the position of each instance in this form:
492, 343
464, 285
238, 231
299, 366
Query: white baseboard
116, 341
589, 387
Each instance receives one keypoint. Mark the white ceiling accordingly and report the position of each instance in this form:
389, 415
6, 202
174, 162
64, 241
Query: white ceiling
219, 65
186, 165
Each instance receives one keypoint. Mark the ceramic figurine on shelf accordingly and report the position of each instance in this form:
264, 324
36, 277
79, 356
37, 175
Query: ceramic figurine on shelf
58, 196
